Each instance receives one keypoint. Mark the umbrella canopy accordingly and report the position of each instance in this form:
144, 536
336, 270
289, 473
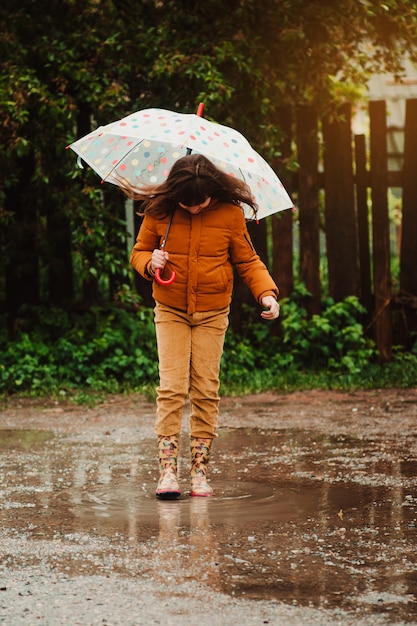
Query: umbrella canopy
143, 146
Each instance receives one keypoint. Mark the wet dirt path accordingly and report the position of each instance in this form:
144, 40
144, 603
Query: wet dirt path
313, 521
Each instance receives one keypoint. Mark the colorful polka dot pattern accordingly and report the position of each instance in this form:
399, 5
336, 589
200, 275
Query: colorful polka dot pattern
143, 146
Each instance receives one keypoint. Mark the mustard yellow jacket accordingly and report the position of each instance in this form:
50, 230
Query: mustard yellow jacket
202, 249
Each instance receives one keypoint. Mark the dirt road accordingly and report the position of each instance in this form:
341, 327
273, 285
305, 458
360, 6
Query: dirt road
313, 521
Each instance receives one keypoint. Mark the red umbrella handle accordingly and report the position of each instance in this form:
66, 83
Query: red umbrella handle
161, 281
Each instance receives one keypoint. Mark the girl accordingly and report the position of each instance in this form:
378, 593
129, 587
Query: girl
201, 207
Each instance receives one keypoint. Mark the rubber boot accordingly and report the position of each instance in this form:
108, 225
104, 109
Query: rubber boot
168, 487
200, 454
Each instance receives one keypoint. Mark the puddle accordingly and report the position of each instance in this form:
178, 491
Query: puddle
297, 517
233, 503
24, 439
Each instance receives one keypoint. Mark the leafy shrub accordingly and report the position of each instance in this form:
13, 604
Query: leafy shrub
108, 350
114, 350
333, 340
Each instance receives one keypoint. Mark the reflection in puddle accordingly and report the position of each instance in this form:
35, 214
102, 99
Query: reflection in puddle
25, 439
296, 517
236, 504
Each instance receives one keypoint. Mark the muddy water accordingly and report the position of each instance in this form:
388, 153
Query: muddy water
299, 517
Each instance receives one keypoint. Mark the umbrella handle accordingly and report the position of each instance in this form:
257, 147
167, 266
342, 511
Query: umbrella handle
161, 281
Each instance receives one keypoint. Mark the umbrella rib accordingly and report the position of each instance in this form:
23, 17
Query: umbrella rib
118, 163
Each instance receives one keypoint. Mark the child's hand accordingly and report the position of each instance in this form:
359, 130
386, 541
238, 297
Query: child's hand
272, 307
159, 260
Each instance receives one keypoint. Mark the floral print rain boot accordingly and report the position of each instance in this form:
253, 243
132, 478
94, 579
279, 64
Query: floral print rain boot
200, 454
168, 487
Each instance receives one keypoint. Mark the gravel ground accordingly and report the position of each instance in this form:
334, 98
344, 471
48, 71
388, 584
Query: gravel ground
39, 597
313, 521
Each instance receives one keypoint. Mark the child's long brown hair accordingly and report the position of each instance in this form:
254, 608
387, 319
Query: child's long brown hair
191, 180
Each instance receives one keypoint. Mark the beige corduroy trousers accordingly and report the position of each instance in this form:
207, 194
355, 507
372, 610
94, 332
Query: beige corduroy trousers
189, 349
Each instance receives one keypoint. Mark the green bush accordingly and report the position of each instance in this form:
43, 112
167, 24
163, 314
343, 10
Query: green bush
109, 350
333, 340
114, 350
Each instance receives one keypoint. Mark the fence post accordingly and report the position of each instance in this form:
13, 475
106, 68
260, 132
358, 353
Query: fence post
408, 253
341, 234
282, 222
22, 283
380, 229
363, 222
309, 205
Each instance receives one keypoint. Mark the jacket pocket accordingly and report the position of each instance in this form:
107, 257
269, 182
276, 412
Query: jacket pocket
219, 280
227, 277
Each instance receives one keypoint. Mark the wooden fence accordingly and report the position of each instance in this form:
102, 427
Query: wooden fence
348, 197
340, 189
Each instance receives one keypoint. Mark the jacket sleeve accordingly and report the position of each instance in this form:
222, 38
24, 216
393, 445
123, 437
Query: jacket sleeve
247, 262
146, 242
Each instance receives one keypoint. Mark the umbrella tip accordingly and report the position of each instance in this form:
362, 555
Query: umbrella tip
200, 109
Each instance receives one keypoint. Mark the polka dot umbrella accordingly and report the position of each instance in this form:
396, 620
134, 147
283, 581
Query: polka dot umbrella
142, 147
